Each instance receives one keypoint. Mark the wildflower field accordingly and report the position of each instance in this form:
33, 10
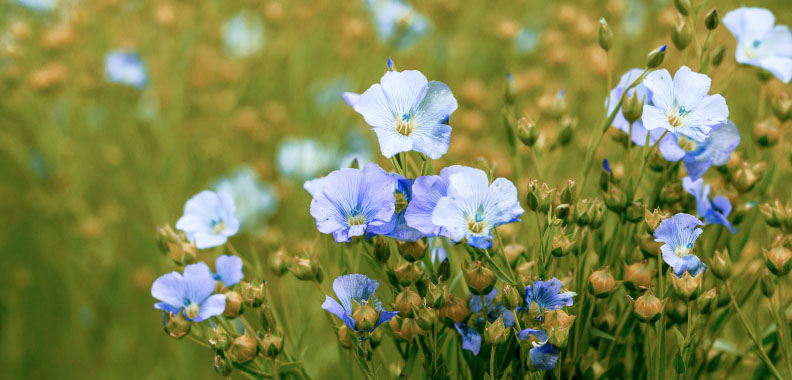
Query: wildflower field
435, 189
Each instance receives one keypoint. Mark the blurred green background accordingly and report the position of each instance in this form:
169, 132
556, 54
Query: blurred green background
89, 168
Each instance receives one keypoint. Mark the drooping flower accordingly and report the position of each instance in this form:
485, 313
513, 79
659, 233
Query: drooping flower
228, 270
352, 200
408, 113
125, 67
712, 212
678, 234
473, 207
243, 34
254, 199
699, 156
191, 292
427, 191
681, 105
638, 130
397, 23
208, 219
397, 228
760, 42
547, 295
471, 338
543, 355
357, 288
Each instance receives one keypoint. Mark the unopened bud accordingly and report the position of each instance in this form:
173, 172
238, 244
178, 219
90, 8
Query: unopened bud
635, 211
413, 250
406, 301
271, 345
782, 107
653, 219
176, 326
233, 305
220, 339
647, 308
708, 301
496, 333
278, 261
527, 131
766, 132
568, 192
512, 299
604, 35
306, 269
562, 211
365, 317
682, 6
717, 56
681, 35
615, 199
479, 278
252, 293
601, 283
426, 317
747, 176
562, 245
406, 328
222, 365
381, 250
632, 107
687, 287
455, 310
779, 260
712, 20
767, 283
345, 336
637, 276
655, 58
721, 265
408, 273
557, 323
436, 295
243, 349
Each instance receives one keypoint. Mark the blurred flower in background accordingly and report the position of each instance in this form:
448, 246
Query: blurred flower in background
760, 42
124, 67
304, 159
328, 94
208, 219
255, 200
39, 5
526, 40
398, 23
243, 34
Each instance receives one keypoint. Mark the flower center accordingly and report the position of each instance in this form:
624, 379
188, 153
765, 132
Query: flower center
687, 144
676, 119
683, 250
192, 309
476, 223
218, 226
355, 218
401, 201
405, 125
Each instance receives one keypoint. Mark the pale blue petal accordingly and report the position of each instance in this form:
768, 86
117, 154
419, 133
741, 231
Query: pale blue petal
544, 357
170, 289
722, 204
432, 139
199, 281
392, 142
471, 339
655, 117
350, 98
690, 87
450, 216
208, 239
437, 105
229, 268
675, 262
167, 307
375, 108
353, 286
313, 186
661, 85
670, 149
214, 305
541, 335
502, 204
384, 316
404, 90
748, 24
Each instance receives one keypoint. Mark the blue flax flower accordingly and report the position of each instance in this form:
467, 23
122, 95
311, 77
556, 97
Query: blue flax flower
208, 219
397, 23
699, 156
678, 234
358, 288
39, 5
760, 42
473, 207
352, 200
124, 67
243, 34
620, 123
712, 212
304, 158
255, 200
682, 105
427, 191
543, 355
408, 113
397, 228
471, 337
228, 270
547, 295
191, 292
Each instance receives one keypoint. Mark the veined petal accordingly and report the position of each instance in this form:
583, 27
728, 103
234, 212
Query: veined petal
670, 149
690, 87
502, 204
334, 307
781, 67
437, 105
544, 357
431, 139
675, 262
214, 305
199, 281
229, 268
350, 98
392, 142
375, 108
541, 335
661, 85
170, 289
471, 339
404, 90
655, 117
451, 216
384, 316
749, 23
353, 286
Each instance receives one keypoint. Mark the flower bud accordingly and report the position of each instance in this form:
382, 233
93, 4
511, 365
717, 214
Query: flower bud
647, 308
271, 345
365, 316
233, 305
637, 276
176, 326
681, 35
632, 107
496, 333
436, 294
767, 283
615, 199
527, 131
747, 176
479, 278
345, 336
653, 219
717, 56
687, 287
252, 293
426, 317
597, 215
682, 6
565, 133
601, 283
406, 301
455, 310
511, 89
306, 269
408, 273
412, 250
557, 323
381, 250
243, 349
604, 319
278, 261
165, 237
568, 193
774, 213
406, 328
712, 20
782, 107
512, 298
655, 58
513, 252
635, 211
220, 340
222, 366
648, 245
677, 311
562, 211
671, 193
708, 301
779, 260
562, 245
766, 133
721, 265
604, 35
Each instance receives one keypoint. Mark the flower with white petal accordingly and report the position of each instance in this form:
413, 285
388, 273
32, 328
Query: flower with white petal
760, 42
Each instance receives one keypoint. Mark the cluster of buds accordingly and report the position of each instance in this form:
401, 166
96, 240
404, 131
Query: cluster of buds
563, 244
175, 245
539, 197
744, 176
778, 215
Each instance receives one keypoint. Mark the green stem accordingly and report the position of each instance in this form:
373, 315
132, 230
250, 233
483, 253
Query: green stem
492, 363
